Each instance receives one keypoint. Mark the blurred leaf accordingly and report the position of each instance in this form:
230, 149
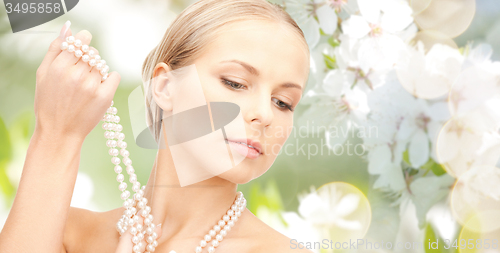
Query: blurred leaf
333, 42
5, 157
269, 197
436, 168
330, 61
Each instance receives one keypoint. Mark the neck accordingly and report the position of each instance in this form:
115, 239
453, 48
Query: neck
190, 210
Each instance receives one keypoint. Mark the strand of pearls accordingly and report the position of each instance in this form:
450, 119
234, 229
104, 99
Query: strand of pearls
138, 204
88, 55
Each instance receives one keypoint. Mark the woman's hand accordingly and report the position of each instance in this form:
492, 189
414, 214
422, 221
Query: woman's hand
126, 245
70, 99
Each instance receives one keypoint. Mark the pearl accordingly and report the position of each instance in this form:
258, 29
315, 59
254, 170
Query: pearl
136, 218
217, 228
103, 61
85, 48
118, 169
223, 232
86, 58
238, 213
225, 217
234, 218
230, 223
122, 231
97, 58
133, 210
148, 209
120, 178
143, 187
78, 43
133, 230
98, 66
150, 248
219, 238
124, 152
203, 243
234, 207
71, 48
222, 223
126, 204
227, 228
103, 78
211, 249
149, 239
115, 160
116, 120
130, 169
122, 186
149, 231
141, 205
113, 152
115, 111
122, 144
127, 161
154, 235
70, 39
139, 227
208, 238
230, 212
136, 249
147, 222
145, 201
135, 188
199, 249
92, 63
64, 45
212, 232
215, 243
91, 53
155, 243
133, 178
141, 236
130, 222
125, 195
113, 143
104, 70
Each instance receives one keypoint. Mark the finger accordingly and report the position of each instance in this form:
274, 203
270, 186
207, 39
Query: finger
68, 56
93, 69
108, 88
55, 47
125, 244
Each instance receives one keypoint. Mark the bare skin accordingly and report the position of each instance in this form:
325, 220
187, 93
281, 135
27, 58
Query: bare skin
187, 213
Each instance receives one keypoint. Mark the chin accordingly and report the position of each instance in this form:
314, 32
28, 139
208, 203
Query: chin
244, 172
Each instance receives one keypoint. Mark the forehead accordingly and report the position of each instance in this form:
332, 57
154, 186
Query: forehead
274, 49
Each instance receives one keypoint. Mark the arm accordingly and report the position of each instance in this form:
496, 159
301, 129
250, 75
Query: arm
38, 215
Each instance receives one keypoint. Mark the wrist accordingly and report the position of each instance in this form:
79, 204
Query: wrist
56, 138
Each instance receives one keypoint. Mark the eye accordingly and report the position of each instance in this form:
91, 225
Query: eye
232, 85
282, 105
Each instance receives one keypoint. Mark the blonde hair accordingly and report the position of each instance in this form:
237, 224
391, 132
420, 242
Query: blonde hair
192, 30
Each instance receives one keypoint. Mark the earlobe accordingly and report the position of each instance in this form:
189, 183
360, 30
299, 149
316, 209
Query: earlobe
161, 88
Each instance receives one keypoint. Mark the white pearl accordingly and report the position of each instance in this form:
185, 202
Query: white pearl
154, 235
103, 62
127, 161
238, 213
124, 152
78, 43
131, 222
143, 187
230, 223
145, 201
219, 238
122, 231
113, 152
130, 169
144, 213
150, 248
118, 169
70, 39
136, 249
122, 186
217, 228
147, 222
98, 66
234, 218
71, 48
199, 249
126, 204
203, 243
225, 217
133, 178
223, 232
111, 135
207, 238
133, 230
92, 63
140, 244
115, 160
117, 119
141, 236
113, 143
85, 48
139, 227
148, 209
135, 188
123, 144
108, 143
115, 111
227, 228
211, 249
155, 243
104, 70
242, 208
215, 243
149, 239
136, 218
118, 127
86, 58
230, 212
120, 178
103, 78
109, 117
221, 223
133, 210
125, 195
234, 207
212, 232
91, 53
97, 58
149, 231
141, 205
64, 45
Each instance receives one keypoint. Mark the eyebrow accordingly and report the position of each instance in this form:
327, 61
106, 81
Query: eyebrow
255, 72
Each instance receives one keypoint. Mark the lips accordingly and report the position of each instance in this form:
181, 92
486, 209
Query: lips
246, 147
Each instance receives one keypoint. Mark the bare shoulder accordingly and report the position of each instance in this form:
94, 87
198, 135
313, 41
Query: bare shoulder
270, 240
87, 230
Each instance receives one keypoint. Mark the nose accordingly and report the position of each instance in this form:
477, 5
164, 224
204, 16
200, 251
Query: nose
259, 112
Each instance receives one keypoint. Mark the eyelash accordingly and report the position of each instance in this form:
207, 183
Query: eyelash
231, 83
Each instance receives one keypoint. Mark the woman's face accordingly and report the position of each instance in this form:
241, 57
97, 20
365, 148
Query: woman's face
262, 67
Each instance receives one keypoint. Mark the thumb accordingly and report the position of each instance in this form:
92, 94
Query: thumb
125, 244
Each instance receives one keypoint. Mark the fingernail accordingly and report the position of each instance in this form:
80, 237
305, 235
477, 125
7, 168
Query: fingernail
64, 29
159, 225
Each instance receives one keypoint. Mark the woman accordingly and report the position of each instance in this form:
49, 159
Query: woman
247, 52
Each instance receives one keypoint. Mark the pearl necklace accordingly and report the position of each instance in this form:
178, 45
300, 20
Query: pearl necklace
138, 204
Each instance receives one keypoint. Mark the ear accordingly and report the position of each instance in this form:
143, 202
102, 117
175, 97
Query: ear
162, 92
